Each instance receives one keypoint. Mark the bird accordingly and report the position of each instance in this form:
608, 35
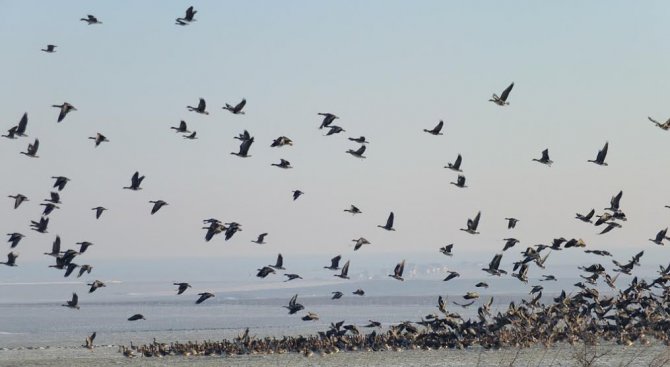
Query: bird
182, 128
353, 210
98, 211
360, 242
65, 108
243, 136
464, 305
610, 226
292, 277
283, 163
456, 166
360, 140
615, 202
70, 268
336, 295
545, 158
398, 270
32, 149
452, 275
99, 138
191, 136
84, 269
83, 246
359, 292
54, 198
358, 153
60, 183
73, 303
660, 236
188, 18
182, 287
311, 316
90, 19
55, 248
345, 271
664, 126
40, 226
447, 249
11, 133
260, 239
135, 182
437, 129
494, 265
334, 263
328, 119
202, 105
586, 218
460, 182
482, 285
265, 271
88, 343
237, 110
281, 141
18, 199
294, 306
510, 242
244, 148
296, 194
389, 223
48, 208
374, 324
334, 130
511, 222
473, 224
157, 205
203, 297
95, 285
471, 295
279, 264
135, 317
502, 100
548, 278
22, 126
50, 49
600, 158
11, 259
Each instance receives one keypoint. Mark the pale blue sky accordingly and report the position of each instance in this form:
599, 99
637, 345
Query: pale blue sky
585, 73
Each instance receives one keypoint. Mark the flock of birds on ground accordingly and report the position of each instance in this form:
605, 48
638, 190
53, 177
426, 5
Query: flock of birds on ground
629, 316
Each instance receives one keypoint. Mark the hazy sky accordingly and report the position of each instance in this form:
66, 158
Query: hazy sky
584, 72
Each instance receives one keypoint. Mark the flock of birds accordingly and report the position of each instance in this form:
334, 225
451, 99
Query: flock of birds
587, 310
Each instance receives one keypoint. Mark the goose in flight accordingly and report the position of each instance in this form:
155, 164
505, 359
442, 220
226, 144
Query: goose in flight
494, 265
291, 277
615, 201
48, 208
437, 129
334, 130
471, 295
344, 274
464, 305
294, 306
358, 153
353, 210
473, 224
336, 295
456, 166
88, 343
311, 316
99, 138
451, 275
83, 246
55, 248
84, 269
237, 109
188, 18
32, 149
40, 226
11, 259
360, 242
389, 223
135, 182
157, 205
244, 148
54, 198
191, 136
460, 182
202, 105
60, 183
73, 303
586, 218
334, 263
65, 108
95, 285
447, 250
360, 140
279, 264
182, 287
328, 119
265, 271
203, 297
511, 222
281, 141
296, 194
11, 133
243, 136
660, 236
610, 226
50, 49
98, 211
545, 158
482, 285
18, 199
283, 163
664, 126
358, 292
14, 239
600, 158
261, 239
509, 243
135, 317
182, 128
90, 19
502, 100
18, 130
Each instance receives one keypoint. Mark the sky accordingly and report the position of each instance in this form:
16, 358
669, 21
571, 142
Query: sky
585, 73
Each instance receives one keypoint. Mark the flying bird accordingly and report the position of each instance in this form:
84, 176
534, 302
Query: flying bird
32, 149
281, 141
294, 306
261, 239
99, 138
334, 263
291, 277
345, 271
509, 243
98, 211
358, 153
389, 223
74, 303
456, 166
237, 109
460, 182
437, 129
334, 130
586, 218
664, 126
11, 259
283, 163
473, 224
182, 287
328, 119
202, 105
182, 128
65, 108
600, 158
279, 264
502, 100
88, 343
360, 242
90, 19
545, 158
511, 222
135, 317
660, 236
50, 49
60, 183
494, 265
203, 297
14, 239
83, 246
296, 194
265, 271
157, 205
191, 136
353, 210
244, 148
360, 140
188, 18
447, 250
135, 182
18, 199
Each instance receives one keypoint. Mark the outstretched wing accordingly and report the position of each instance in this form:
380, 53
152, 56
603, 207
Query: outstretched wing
506, 92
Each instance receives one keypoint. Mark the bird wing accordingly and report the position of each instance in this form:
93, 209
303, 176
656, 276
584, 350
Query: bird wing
439, 126
22, 124
345, 268
75, 299
280, 261
616, 199
389, 221
545, 155
603, 153
240, 105
335, 262
202, 104
475, 223
244, 147
457, 163
506, 92
361, 150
